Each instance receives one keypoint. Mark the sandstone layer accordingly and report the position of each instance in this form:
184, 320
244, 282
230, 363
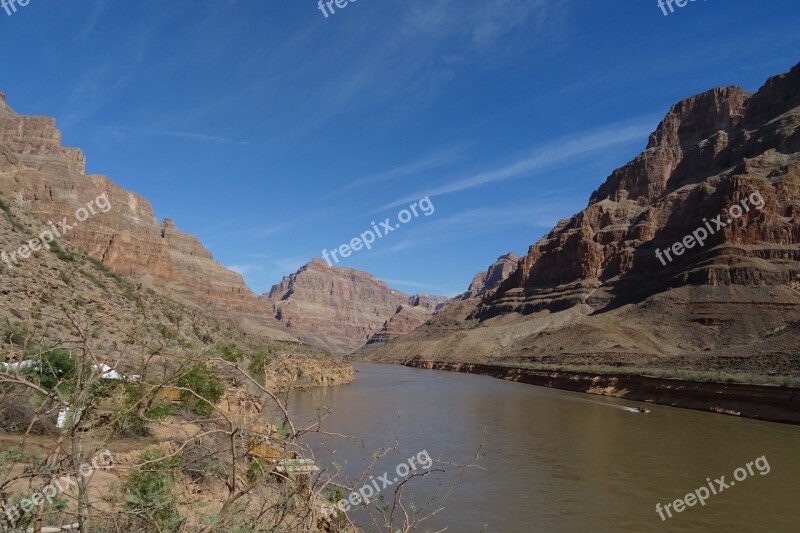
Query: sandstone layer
50, 181
593, 292
340, 309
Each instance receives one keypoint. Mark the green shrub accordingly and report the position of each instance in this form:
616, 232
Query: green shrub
256, 470
336, 495
167, 333
230, 352
149, 492
203, 381
260, 360
124, 285
132, 412
204, 337
94, 279
100, 266
176, 318
56, 368
59, 252
283, 432
13, 334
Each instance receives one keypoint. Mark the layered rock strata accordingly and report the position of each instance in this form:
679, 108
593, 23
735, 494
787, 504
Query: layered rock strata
50, 181
405, 320
340, 309
711, 152
594, 292
428, 302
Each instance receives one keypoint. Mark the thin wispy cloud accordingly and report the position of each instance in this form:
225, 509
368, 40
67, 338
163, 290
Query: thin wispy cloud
541, 213
413, 61
250, 232
279, 266
438, 159
98, 86
96, 13
399, 247
244, 269
182, 135
535, 213
544, 157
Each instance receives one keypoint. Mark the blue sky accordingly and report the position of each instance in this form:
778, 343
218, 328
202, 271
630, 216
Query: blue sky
272, 132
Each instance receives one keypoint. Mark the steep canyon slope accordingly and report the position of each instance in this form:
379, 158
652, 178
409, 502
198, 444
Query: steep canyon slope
594, 292
50, 182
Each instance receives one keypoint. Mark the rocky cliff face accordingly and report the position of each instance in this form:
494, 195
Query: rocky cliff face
405, 320
50, 181
490, 279
428, 302
339, 309
709, 153
593, 291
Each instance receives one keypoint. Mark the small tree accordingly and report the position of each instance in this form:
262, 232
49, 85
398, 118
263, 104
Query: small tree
260, 360
55, 367
230, 352
149, 491
203, 382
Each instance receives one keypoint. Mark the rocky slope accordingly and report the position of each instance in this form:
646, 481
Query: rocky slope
61, 304
50, 181
339, 309
62, 298
593, 291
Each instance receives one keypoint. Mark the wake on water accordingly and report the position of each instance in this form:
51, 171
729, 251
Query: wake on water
622, 407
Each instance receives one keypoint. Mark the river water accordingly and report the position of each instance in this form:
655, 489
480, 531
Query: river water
554, 460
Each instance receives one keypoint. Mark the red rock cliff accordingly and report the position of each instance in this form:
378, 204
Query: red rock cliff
340, 308
710, 152
51, 181
593, 292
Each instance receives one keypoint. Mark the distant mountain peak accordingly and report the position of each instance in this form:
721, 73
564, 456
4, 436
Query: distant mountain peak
338, 308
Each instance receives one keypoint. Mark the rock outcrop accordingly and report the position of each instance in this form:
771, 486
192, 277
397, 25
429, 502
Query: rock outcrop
50, 181
490, 279
405, 320
339, 309
593, 291
428, 302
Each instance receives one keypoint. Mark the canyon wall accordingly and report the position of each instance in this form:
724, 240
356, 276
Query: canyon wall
594, 292
340, 309
50, 181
